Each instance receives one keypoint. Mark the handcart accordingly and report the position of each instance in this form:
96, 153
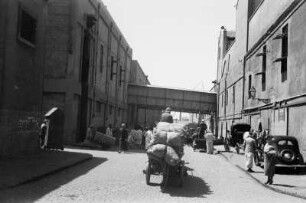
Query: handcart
158, 166
199, 144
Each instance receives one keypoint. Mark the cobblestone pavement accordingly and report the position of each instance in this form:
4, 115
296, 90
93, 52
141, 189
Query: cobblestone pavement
113, 177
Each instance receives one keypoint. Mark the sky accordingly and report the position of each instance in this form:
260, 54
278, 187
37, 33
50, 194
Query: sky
174, 41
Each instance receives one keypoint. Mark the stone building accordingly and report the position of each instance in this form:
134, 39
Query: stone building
267, 58
87, 66
137, 76
68, 54
22, 31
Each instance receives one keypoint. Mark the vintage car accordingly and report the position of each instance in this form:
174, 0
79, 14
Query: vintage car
235, 138
287, 153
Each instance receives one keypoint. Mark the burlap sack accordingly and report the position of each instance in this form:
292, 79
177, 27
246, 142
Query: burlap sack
164, 126
172, 157
160, 137
157, 150
174, 139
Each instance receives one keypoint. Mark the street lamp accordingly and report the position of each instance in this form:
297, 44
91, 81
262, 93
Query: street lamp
253, 96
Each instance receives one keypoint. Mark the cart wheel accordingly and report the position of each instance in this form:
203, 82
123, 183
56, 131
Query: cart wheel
165, 175
148, 173
237, 149
182, 174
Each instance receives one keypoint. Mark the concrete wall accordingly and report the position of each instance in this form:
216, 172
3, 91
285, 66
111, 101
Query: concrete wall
106, 98
137, 76
259, 22
230, 72
21, 65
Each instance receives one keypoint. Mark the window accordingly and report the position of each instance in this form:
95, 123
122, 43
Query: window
222, 100
120, 78
250, 85
264, 67
284, 53
101, 58
112, 68
253, 5
110, 111
27, 28
98, 107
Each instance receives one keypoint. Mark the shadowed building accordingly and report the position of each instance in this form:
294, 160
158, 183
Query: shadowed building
22, 31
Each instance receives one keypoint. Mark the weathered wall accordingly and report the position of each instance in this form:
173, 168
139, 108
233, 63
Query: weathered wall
21, 82
259, 23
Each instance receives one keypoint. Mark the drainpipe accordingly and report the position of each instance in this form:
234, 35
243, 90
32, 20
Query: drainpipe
117, 85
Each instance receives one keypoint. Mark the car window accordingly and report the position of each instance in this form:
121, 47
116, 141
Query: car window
284, 142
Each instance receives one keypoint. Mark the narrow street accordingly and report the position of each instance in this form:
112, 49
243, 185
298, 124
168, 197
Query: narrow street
113, 177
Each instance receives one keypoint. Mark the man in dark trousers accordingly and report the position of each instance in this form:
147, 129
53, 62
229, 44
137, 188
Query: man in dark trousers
123, 135
202, 129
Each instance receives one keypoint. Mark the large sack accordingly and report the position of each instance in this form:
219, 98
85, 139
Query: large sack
166, 117
177, 127
172, 157
159, 137
164, 126
104, 139
174, 139
157, 150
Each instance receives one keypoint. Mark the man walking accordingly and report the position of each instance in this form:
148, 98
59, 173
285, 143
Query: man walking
249, 146
123, 134
209, 137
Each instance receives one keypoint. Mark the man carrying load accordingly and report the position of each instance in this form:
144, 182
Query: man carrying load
166, 116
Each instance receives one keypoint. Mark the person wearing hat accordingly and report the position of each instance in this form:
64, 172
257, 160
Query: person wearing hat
166, 116
202, 129
249, 146
269, 159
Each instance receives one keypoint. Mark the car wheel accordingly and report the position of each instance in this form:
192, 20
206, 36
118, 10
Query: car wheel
287, 155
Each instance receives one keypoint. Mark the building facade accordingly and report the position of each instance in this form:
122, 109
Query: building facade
22, 31
68, 54
87, 66
261, 76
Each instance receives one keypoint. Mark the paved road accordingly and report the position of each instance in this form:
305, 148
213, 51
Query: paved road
113, 177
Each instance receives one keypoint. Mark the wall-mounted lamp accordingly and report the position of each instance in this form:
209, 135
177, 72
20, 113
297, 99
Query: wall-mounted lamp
253, 96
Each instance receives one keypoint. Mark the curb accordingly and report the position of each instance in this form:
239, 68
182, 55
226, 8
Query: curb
35, 178
258, 181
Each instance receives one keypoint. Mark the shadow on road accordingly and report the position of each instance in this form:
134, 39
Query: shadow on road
283, 185
35, 190
192, 187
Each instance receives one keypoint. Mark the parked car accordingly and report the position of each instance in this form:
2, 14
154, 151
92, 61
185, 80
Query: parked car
235, 138
287, 153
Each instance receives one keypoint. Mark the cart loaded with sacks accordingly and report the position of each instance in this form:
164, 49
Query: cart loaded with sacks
165, 153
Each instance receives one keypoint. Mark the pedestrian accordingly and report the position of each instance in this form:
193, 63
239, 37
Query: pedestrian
43, 132
109, 131
202, 129
148, 137
123, 134
91, 132
269, 159
166, 116
209, 136
249, 146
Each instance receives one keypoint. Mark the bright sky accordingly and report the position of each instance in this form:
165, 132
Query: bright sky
174, 41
